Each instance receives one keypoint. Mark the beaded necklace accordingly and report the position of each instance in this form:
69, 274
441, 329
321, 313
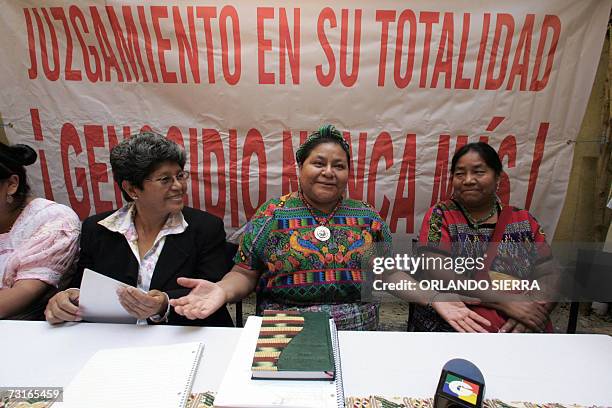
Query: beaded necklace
477, 223
321, 232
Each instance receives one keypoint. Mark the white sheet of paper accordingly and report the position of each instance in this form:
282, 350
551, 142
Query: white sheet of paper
98, 300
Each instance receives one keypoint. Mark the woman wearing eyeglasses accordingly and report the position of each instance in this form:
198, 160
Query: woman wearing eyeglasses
152, 240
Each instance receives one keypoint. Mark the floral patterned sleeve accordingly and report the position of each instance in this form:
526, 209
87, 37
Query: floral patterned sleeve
381, 234
544, 252
434, 234
249, 255
49, 252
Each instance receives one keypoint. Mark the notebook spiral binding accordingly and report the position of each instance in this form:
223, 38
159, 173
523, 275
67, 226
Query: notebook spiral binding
337, 365
192, 374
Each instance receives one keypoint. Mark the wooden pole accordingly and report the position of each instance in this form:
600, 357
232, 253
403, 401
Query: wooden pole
3, 138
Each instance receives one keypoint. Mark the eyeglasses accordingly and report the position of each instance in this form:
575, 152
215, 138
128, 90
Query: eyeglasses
167, 181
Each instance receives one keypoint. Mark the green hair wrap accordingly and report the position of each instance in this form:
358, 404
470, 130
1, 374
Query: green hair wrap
325, 132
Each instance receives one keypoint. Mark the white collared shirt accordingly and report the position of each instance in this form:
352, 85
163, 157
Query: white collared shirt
122, 221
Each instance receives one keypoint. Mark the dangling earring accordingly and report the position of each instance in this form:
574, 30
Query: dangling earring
135, 198
9, 199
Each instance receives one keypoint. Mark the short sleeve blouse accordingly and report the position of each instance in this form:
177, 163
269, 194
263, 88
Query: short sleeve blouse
43, 244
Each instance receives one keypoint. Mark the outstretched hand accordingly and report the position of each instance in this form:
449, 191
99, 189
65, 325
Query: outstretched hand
455, 312
204, 299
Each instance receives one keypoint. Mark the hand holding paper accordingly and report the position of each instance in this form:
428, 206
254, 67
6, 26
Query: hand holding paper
63, 307
98, 301
140, 304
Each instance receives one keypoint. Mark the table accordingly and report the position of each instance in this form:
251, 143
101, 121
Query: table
536, 367
560, 368
39, 354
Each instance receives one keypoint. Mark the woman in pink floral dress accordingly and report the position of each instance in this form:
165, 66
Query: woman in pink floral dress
38, 240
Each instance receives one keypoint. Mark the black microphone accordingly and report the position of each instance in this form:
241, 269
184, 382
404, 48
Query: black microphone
461, 385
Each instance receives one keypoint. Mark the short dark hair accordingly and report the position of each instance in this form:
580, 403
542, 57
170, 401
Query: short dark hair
325, 134
12, 161
485, 151
135, 158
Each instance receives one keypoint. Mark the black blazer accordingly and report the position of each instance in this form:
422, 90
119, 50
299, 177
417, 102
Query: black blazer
198, 252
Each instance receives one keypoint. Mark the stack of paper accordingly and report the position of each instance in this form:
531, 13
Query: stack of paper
138, 377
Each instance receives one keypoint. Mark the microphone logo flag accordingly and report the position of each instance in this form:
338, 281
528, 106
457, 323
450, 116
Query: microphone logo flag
461, 388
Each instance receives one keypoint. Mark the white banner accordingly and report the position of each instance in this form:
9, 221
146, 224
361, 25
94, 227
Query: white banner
239, 84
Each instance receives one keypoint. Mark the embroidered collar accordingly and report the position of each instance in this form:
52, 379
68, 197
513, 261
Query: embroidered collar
496, 208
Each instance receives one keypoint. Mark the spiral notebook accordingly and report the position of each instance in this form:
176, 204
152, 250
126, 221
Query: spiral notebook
135, 377
239, 390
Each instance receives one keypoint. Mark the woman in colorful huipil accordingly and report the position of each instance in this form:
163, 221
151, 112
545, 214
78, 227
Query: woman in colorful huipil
309, 244
304, 251
475, 224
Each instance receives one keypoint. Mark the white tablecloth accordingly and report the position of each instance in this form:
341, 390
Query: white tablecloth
536, 368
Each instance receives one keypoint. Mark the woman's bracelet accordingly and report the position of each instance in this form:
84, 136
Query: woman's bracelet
432, 299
